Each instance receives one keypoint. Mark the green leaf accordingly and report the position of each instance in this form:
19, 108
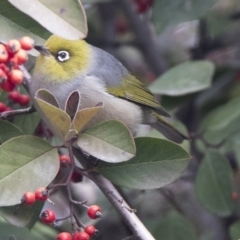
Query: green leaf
214, 184
15, 24
84, 116
185, 78
222, 116
184, 11
217, 136
27, 163
27, 122
55, 118
109, 141
218, 23
174, 227
21, 215
8, 131
8, 232
70, 15
157, 162
46, 96
222, 122
235, 231
12, 237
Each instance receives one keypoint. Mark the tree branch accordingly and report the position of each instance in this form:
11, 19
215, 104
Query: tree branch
139, 230
144, 37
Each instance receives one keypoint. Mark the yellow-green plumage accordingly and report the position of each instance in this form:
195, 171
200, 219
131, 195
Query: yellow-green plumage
69, 69
100, 78
134, 90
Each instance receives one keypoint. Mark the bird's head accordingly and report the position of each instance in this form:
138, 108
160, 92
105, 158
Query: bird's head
61, 59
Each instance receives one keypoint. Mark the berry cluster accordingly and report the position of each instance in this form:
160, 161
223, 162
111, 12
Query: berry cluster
89, 231
12, 55
94, 211
29, 198
14, 97
48, 216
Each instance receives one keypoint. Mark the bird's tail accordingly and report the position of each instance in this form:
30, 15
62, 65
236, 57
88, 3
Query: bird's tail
168, 130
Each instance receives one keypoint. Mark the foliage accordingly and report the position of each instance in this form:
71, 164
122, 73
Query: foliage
199, 86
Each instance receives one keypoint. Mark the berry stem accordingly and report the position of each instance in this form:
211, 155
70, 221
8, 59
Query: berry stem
9, 114
63, 218
79, 224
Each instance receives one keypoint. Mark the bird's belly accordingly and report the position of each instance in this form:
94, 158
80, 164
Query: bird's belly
114, 108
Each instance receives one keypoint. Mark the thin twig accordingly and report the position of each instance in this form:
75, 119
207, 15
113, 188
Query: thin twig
12, 113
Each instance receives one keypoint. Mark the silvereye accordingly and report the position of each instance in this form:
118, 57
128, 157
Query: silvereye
67, 65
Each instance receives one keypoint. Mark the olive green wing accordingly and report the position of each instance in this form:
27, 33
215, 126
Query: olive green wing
134, 90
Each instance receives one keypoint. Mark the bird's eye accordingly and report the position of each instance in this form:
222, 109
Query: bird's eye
62, 56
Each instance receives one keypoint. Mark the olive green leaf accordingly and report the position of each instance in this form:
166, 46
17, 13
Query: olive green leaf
174, 226
109, 141
46, 96
57, 120
27, 163
185, 78
8, 131
64, 18
27, 122
84, 116
157, 162
15, 24
214, 184
21, 215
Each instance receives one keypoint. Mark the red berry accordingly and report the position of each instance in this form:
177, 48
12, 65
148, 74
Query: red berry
94, 211
23, 100
7, 86
13, 46
21, 56
2, 107
64, 160
14, 96
27, 43
76, 177
48, 216
41, 194
64, 236
4, 67
3, 76
90, 230
16, 76
80, 236
3, 54
28, 198
13, 61
234, 196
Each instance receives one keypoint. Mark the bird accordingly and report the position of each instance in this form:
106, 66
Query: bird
65, 65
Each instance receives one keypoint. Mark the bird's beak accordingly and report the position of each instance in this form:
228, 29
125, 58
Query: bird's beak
43, 50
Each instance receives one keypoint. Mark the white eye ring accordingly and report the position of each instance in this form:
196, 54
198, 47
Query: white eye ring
63, 56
